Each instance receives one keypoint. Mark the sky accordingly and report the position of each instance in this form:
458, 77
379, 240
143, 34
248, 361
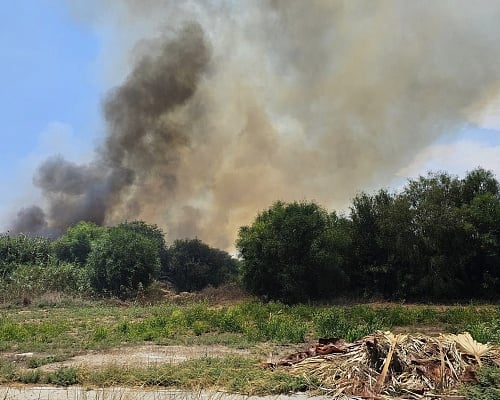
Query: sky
50, 92
58, 64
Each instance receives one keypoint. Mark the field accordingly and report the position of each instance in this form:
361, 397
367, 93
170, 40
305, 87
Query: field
200, 344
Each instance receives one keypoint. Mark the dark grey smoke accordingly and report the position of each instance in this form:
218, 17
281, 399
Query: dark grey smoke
32, 221
56, 175
141, 146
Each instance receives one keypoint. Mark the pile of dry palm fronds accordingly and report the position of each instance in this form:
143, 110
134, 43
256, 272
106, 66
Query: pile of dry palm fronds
384, 365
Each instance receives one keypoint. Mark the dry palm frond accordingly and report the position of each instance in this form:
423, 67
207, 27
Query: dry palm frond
393, 340
385, 366
469, 346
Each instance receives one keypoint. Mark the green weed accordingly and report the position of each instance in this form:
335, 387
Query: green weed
488, 386
231, 373
63, 376
7, 371
488, 331
36, 362
345, 323
30, 376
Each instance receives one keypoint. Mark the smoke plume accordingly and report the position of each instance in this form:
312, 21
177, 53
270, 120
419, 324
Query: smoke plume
228, 106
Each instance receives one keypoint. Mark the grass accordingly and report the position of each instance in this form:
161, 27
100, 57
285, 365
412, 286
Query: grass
233, 373
236, 374
67, 330
58, 332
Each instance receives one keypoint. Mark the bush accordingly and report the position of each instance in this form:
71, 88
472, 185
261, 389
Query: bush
76, 243
193, 265
63, 376
123, 262
22, 249
294, 252
152, 232
29, 281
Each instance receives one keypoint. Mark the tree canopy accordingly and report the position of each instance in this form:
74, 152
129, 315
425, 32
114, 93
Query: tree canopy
122, 261
286, 253
193, 265
75, 245
437, 239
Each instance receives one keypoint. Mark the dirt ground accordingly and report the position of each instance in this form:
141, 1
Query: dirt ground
137, 356
140, 356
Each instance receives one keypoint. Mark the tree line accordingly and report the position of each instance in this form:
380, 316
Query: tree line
437, 239
118, 261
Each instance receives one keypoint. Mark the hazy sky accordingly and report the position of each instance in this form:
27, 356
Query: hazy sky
60, 58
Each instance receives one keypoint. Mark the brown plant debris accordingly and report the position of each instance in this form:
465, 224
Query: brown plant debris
388, 366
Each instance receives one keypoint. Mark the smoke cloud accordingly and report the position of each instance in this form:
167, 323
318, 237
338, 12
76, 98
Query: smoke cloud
228, 106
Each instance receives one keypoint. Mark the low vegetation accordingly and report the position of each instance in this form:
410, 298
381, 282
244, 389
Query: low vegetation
57, 333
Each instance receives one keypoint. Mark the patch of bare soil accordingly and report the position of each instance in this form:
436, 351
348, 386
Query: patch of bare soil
140, 356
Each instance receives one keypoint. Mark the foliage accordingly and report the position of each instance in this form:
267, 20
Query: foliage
7, 371
63, 376
75, 245
263, 327
236, 374
152, 232
294, 252
122, 262
193, 265
439, 239
29, 281
124, 273
21, 249
488, 386
72, 329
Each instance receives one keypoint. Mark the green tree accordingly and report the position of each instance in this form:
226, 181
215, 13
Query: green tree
436, 240
481, 213
288, 253
478, 182
122, 261
442, 236
371, 271
154, 233
75, 245
193, 265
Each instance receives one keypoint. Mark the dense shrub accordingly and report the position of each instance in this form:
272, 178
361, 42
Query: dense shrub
21, 249
294, 252
487, 387
26, 282
439, 239
122, 262
152, 232
75, 245
193, 265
